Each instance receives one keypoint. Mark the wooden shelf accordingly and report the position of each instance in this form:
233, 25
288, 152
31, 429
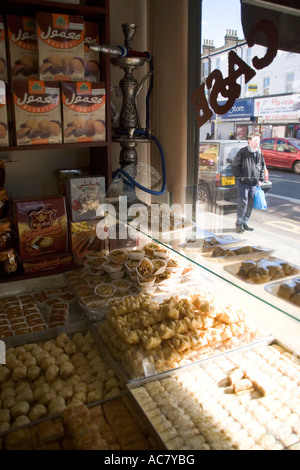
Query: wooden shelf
16, 148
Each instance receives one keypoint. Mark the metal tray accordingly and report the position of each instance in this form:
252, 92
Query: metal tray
174, 408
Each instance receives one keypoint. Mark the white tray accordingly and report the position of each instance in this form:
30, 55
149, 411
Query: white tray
243, 257
234, 268
273, 289
198, 243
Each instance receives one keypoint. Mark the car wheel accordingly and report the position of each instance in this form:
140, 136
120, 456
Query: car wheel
296, 167
204, 202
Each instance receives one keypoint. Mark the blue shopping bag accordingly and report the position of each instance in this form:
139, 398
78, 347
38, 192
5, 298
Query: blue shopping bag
260, 199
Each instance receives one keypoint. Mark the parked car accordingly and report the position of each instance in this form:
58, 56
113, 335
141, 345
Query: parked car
217, 190
282, 153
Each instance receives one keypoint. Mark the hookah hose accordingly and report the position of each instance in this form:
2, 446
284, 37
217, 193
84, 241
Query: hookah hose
135, 183
144, 133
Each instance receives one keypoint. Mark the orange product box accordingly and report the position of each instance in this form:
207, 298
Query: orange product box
47, 263
42, 226
91, 58
37, 112
60, 46
3, 57
83, 105
84, 240
23, 51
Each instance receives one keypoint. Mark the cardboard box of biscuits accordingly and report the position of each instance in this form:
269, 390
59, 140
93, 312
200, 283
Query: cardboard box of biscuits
83, 105
3, 57
4, 140
37, 112
60, 40
41, 225
23, 50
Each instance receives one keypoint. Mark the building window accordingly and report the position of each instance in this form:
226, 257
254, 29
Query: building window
218, 63
266, 86
289, 82
248, 57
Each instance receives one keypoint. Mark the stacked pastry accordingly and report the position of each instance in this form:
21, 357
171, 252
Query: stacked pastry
107, 426
142, 333
42, 379
202, 408
22, 314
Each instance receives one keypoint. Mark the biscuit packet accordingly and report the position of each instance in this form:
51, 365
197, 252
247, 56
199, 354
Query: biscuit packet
37, 112
22, 44
83, 111
3, 58
60, 46
4, 140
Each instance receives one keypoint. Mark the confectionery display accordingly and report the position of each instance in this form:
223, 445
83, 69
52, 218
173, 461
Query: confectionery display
246, 401
288, 290
207, 244
264, 270
40, 379
160, 218
85, 428
106, 279
33, 312
161, 360
147, 337
240, 252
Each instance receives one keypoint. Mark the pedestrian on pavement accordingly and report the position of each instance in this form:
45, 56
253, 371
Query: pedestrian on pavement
248, 167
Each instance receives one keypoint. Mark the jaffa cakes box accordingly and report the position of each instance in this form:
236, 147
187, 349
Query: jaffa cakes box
3, 58
91, 58
42, 226
3, 116
22, 42
60, 46
37, 112
83, 105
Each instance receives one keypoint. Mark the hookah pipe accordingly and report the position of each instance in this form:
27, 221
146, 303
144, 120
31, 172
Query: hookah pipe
128, 52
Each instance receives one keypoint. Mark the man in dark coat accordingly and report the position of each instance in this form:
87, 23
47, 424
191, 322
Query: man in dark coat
248, 167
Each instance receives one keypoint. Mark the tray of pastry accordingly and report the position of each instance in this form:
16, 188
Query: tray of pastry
207, 244
145, 337
263, 270
240, 253
235, 402
26, 313
288, 290
42, 376
84, 427
159, 219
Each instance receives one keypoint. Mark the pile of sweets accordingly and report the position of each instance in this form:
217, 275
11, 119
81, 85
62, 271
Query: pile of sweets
23, 314
140, 332
42, 379
110, 425
152, 269
212, 407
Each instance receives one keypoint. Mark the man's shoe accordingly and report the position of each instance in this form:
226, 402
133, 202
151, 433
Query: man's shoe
240, 229
246, 227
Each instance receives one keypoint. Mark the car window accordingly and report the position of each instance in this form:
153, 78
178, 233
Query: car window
281, 146
296, 143
268, 144
208, 156
229, 152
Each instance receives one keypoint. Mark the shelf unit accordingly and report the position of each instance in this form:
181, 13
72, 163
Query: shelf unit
92, 10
